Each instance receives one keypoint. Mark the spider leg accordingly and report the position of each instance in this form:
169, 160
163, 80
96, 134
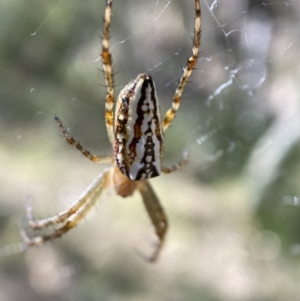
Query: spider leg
187, 71
71, 217
108, 73
85, 152
184, 160
62, 216
157, 216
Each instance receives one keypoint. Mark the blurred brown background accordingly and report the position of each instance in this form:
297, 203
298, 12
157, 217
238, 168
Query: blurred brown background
233, 211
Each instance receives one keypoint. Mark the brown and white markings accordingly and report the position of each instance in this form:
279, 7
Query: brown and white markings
138, 131
137, 137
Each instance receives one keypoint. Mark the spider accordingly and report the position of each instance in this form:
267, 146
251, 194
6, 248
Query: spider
137, 138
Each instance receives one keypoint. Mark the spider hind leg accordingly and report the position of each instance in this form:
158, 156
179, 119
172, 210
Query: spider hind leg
157, 216
71, 217
184, 160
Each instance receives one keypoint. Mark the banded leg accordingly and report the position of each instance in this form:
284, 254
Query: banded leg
184, 160
187, 71
108, 73
157, 216
85, 152
71, 217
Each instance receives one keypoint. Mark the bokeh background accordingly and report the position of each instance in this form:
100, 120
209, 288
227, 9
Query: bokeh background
234, 210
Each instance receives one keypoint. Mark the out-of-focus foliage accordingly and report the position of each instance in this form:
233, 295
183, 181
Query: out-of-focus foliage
234, 211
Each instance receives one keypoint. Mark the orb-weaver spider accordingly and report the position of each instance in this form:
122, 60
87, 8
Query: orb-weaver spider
137, 138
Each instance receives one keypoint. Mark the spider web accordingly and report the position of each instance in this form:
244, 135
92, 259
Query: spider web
239, 115
153, 37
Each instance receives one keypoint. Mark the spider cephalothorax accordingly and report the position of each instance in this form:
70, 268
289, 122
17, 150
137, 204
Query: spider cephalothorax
137, 137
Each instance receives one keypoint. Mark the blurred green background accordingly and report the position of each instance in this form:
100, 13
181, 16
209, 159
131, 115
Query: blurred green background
233, 211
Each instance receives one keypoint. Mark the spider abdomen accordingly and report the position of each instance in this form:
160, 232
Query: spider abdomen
139, 138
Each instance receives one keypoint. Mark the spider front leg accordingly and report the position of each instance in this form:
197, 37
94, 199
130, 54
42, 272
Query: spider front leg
187, 71
77, 145
108, 73
157, 216
70, 217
